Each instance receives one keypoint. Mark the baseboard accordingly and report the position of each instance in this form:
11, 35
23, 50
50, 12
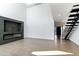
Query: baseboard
74, 42
37, 38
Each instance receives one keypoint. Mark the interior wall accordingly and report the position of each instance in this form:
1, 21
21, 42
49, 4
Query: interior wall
15, 11
75, 36
40, 23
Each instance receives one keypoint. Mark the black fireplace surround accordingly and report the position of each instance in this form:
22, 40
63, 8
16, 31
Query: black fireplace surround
10, 30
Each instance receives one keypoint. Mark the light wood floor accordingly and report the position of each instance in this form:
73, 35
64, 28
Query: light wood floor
27, 46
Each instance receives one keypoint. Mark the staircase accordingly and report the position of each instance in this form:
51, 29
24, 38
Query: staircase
72, 22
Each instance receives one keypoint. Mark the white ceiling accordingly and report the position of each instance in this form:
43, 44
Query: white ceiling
28, 4
32, 4
61, 11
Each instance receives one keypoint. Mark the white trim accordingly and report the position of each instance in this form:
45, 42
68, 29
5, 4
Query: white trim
37, 38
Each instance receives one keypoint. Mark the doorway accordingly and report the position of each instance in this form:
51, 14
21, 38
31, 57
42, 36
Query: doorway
58, 32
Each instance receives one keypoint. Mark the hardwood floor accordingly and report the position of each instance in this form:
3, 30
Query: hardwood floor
27, 46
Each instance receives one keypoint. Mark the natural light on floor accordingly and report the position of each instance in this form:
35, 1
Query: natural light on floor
42, 53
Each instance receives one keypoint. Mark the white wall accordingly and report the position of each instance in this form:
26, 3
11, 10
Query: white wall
15, 11
75, 36
40, 23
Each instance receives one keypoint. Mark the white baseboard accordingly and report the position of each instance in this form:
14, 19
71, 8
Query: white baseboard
39, 38
74, 42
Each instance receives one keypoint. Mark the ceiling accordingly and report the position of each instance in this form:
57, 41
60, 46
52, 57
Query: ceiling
61, 11
32, 4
